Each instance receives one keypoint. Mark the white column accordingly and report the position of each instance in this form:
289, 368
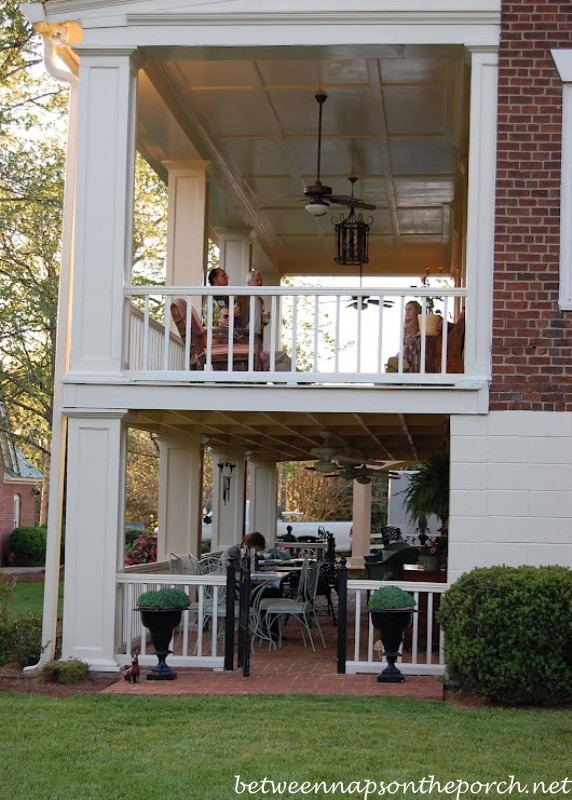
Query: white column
480, 209
180, 496
235, 249
229, 494
262, 488
361, 519
104, 210
94, 535
187, 222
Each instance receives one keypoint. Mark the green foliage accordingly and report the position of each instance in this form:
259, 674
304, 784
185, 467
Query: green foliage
6, 593
508, 633
29, 596
428, 490
27, 547
163, 598
389, 598
71, 671
21, 639
80, 746
142, 479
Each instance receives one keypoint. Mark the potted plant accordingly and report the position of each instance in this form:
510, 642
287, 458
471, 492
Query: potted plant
434, 553
428, 493
161, 613
391, 610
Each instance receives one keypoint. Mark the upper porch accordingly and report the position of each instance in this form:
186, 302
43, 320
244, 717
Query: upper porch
330, 337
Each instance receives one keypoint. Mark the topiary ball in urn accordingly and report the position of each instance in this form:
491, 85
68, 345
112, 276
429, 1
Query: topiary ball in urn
391, 610
161, 613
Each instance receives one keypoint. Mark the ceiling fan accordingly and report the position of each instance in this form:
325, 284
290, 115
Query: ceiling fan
325, 459
362, 474
318, 197
338, 466
364, 301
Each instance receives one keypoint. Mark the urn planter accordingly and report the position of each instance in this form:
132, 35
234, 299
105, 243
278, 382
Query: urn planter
391, 610
161, 622
161, 613
391, 626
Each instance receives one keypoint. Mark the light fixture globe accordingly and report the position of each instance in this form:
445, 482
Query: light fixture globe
317, 208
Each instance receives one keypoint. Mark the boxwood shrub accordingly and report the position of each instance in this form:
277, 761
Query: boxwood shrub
27, 547
508, 634
21, 639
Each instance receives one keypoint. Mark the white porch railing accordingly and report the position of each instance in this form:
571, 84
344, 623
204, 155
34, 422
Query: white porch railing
333, 336
422, 652
194, 645
147, 343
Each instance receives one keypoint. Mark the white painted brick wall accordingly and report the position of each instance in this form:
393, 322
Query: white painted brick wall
511, 490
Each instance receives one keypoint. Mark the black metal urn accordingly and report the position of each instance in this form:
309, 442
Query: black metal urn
391, 626
161, 623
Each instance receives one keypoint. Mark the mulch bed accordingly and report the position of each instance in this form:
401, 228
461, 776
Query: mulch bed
12, 680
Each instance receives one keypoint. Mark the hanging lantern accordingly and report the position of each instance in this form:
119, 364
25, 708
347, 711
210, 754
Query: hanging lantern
352, 238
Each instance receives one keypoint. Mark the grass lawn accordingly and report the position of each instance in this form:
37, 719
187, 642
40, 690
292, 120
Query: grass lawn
96, 747
30, 597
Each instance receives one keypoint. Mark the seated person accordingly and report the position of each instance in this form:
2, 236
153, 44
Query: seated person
289, 537
253, 543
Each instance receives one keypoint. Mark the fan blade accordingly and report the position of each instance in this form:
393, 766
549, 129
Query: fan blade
363, 301
364, 206
351, 202
366, 462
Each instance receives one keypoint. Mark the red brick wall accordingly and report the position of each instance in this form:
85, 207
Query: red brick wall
532, 339
27, 510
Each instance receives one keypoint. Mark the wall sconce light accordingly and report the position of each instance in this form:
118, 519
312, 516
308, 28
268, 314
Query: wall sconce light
225, 469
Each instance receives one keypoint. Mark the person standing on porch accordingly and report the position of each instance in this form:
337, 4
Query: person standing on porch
261, 317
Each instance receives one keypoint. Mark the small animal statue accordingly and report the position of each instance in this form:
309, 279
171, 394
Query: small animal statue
131, 674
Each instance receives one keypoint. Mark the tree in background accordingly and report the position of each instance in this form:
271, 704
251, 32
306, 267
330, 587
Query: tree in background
142, 480
319, 498
32, 121
33, 124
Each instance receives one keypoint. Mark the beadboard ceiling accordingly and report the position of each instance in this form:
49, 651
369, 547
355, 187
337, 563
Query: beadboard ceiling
395, 117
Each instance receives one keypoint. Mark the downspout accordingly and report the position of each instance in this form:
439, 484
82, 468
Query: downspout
52, 39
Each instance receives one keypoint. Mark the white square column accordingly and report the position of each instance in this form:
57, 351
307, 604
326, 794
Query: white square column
229, 496
235, 253
180, 490
361, 519
94, 535
481, 209
103, 211
263, 512
187, 223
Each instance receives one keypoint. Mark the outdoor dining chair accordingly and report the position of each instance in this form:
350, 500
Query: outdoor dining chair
300, 608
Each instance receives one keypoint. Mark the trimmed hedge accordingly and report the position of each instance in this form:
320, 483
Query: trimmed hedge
508, 634
27, 547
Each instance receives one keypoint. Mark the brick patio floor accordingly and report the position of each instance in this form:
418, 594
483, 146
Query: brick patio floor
293, 669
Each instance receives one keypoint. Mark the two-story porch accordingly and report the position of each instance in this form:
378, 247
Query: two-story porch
222, 106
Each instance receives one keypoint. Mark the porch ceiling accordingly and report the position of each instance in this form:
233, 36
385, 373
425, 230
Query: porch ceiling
395, 117
290, 436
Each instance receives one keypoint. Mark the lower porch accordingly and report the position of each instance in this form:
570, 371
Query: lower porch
292, 668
